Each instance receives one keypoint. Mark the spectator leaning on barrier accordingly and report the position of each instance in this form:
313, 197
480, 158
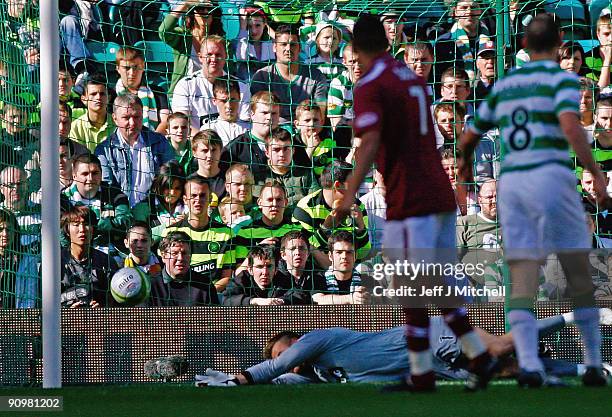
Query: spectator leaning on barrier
261, 284
343, 282
132, 155
18, 290
287, 78
180, 285
304, 280
85, 272
138, 242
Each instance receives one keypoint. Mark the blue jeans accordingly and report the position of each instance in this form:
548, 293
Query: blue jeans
72, 40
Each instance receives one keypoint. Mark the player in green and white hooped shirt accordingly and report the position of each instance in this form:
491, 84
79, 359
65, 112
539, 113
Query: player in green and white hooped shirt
536, 110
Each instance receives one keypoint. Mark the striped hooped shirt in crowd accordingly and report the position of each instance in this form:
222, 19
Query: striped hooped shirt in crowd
340, 97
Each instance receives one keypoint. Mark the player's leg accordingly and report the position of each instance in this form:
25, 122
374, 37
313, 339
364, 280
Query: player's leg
422, 377
455, 316
566, 231
524, 199
403, 241
521, 316
586, 314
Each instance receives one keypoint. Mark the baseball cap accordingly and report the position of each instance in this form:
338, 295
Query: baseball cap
486, 47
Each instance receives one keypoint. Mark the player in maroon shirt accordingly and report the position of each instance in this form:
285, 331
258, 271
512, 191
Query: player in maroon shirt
393, 120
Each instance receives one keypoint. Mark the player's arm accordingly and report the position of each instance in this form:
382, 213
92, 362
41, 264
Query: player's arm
364, 157
576, 136
306, 348
468, 142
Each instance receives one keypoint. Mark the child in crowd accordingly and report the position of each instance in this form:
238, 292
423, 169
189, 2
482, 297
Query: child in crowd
178, 136
327, 59
319, 145
227, 99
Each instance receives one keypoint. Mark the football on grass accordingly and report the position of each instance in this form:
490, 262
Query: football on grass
130, 286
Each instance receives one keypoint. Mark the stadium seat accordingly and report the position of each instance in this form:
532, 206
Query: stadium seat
230, 19
156, 51
159, 60
103, 52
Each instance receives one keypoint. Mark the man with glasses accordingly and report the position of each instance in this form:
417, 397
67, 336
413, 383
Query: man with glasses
14, 189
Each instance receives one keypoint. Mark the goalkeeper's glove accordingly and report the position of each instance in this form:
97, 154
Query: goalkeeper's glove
213, 378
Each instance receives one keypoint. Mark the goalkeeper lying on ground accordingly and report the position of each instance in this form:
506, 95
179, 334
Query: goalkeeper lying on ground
344, 355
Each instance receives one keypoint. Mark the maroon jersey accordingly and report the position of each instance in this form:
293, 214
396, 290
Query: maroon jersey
394, 101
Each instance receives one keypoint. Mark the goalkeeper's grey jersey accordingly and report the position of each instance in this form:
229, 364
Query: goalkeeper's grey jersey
340, 355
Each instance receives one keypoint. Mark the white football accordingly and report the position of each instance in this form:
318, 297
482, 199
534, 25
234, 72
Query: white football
130, 286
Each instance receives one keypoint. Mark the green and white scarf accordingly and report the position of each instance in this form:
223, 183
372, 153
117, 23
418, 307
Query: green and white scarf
462, 42
149, 107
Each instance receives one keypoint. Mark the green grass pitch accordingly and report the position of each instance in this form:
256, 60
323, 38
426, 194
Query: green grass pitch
501, 399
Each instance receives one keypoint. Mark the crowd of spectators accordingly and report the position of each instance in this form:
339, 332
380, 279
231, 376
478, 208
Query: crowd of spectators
221, 183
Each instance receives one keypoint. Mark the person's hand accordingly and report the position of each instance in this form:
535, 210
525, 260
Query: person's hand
269, 241
176, 220
267, 301
606, 51
81, 303
107, 213
32, 56
213, 378
342, 208
465, 170
361, 296
357, 216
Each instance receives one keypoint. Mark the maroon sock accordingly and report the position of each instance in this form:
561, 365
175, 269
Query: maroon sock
417, 329
457, 320
427, 380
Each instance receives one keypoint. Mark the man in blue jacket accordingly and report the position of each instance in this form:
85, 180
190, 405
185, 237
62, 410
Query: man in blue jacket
132, 155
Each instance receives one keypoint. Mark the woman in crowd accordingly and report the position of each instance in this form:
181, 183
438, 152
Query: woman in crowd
164, 205
202, 19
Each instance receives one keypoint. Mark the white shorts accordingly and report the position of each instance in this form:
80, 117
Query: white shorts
415, 237
541, 213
